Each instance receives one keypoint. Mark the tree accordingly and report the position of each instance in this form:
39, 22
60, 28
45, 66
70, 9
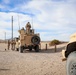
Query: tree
54, 43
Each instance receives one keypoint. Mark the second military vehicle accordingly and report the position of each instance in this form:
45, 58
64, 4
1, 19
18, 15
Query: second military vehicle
69, 54
28, 39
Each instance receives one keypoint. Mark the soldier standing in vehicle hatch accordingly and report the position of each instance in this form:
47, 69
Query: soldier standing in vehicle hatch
28, 26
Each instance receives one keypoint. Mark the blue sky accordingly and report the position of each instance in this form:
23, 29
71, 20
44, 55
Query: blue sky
53, 19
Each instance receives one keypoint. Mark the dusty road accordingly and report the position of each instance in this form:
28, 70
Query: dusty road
31, 63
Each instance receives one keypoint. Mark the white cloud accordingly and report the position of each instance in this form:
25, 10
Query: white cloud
1, 6
48, 15
6, 22
6, 1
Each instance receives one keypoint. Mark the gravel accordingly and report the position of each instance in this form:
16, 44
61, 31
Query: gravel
46, 62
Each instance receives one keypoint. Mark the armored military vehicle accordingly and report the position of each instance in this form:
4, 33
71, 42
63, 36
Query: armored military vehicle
28, 39
70, 55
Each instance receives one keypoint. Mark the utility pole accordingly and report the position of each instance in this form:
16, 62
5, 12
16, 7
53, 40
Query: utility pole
12, 34
12, 28
5, 36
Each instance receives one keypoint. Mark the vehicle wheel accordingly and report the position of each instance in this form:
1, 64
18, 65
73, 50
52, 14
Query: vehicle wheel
36, 48
35, 40
71, 64
30, 48
17, 49
21, 49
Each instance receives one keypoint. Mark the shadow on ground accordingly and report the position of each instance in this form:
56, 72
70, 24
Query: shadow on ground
52, 50
4, 69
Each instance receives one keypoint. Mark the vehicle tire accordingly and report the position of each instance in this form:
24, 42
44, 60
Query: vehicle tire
35, 40
71, 64
21, 49
17, 49
30, 48
36, 48
71, 47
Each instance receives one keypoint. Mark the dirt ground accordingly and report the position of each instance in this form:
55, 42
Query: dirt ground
46, 62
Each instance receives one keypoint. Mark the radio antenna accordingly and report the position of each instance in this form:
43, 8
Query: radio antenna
32, 19
32, 22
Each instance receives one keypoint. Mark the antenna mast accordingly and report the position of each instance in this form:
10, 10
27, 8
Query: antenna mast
32, 22
32, 19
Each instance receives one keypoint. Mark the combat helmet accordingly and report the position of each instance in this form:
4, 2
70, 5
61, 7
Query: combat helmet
28, 25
